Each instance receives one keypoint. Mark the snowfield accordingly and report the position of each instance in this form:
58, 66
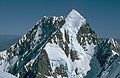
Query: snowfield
6, 75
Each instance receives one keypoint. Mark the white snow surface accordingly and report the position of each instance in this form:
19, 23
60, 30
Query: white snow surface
6, 75
57, 56
73, 22
3, 63
114, 53
90, 49
111, 40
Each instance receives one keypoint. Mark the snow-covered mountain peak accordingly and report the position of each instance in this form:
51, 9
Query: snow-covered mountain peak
73, 22
110, 40
114, 45
65, 37
58, 47
75, 15
74, 19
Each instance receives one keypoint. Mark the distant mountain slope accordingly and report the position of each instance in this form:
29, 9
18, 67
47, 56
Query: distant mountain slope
7, 40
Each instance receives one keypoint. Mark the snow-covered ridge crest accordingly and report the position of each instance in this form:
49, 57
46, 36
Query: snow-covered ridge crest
75, 15
110, 40
73, 22
113, 42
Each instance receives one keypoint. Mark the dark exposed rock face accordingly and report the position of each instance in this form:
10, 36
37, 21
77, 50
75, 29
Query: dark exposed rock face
73, 55
86, 35
104, 57
42, 65
104, 51
104, 54
61, 70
